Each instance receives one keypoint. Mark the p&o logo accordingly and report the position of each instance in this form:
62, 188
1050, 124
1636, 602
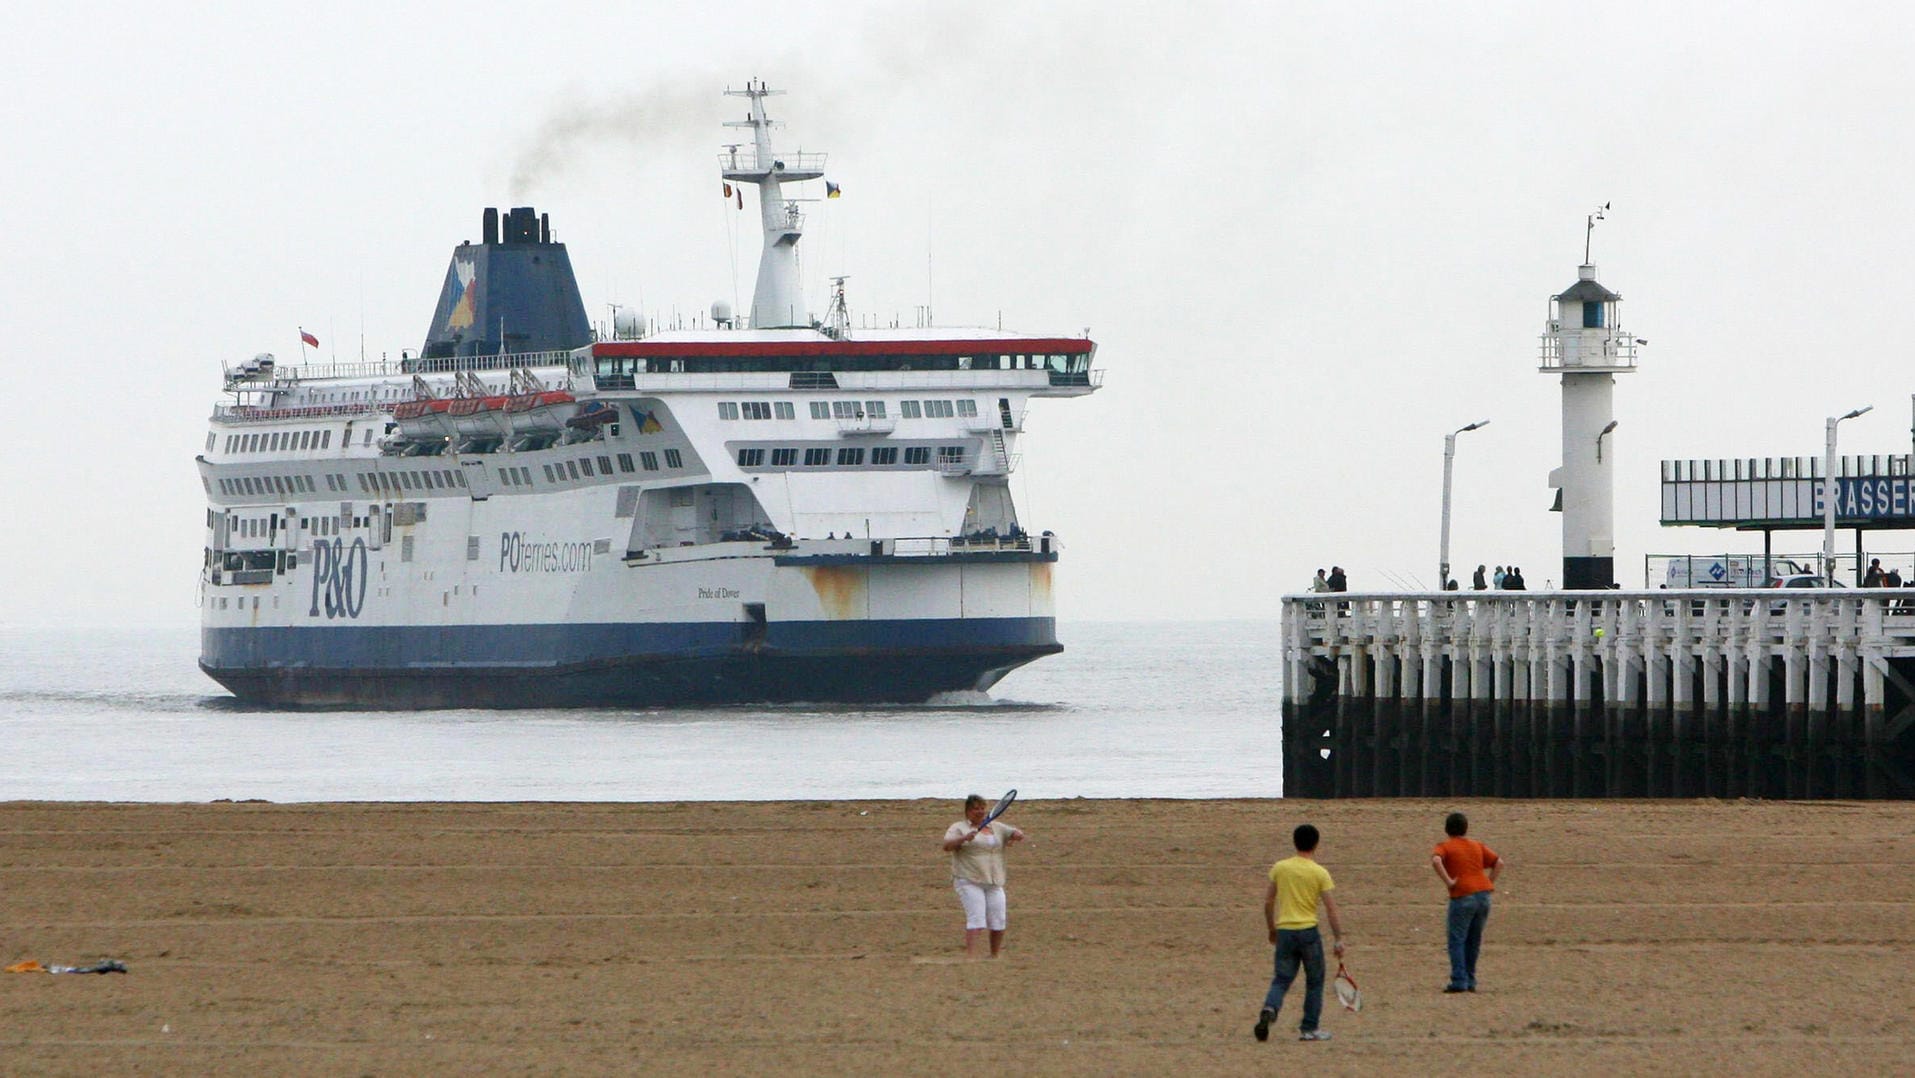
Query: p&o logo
339, 578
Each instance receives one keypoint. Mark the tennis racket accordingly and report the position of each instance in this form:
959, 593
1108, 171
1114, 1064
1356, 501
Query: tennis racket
998, 809
1347, 992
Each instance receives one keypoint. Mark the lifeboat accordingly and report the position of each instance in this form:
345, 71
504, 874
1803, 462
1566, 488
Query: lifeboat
423, 418
538, 413
479, 416
591, 418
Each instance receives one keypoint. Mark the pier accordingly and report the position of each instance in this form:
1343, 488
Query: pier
1711, 692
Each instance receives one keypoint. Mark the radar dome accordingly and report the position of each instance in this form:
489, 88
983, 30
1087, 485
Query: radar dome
628, 324
721, 312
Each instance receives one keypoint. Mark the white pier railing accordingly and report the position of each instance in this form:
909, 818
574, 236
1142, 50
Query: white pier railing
1546, 636
1718, 691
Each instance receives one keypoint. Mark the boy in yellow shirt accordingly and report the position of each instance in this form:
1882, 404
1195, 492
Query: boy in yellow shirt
1290, 913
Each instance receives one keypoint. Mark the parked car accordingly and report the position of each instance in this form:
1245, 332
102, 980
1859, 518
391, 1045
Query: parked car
1798, 580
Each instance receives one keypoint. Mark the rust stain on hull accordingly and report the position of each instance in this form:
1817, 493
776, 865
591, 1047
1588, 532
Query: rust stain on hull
1041, 585
841, 590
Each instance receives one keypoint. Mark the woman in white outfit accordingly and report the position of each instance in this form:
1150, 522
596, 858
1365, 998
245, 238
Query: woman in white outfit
977, 872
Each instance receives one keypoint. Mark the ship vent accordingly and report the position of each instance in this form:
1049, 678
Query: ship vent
405, 548
405, 513
601, 546
472, 548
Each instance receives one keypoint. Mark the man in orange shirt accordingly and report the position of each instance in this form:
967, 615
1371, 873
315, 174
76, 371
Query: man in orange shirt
1469, 869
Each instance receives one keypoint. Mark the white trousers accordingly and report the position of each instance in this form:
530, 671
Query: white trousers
983, 904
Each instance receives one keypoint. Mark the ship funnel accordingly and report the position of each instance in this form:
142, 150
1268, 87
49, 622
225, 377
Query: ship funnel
512, 292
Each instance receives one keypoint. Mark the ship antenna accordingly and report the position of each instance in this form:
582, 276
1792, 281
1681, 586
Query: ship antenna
838, 318
1589, 228
777, 301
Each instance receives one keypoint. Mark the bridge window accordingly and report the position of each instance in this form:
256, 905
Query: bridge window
727, 410
648, 461
673, 460
756, 409
967, 407
910, 409
917, 454
850, 457
751, 458
885, 454
786, 410
817, 458
784, 458
585, 465
874, 409
625, 462
821, 409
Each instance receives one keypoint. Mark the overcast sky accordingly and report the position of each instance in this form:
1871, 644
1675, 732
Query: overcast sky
1309, 239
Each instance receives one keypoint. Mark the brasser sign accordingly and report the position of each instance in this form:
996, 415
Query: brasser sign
1869, 498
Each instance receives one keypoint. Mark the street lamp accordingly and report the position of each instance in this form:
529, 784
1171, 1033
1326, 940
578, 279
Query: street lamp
1828, 496
1449, 459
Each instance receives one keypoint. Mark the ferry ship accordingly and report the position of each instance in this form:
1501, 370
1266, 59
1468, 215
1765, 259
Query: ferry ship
527, 513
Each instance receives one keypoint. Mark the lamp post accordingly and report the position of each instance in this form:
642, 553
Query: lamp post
1829, 490
1449, 460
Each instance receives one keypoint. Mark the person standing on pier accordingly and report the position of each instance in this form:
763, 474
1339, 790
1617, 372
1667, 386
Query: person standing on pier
1469, 869
1297, 884
1338, 582
1477, 583
1499, 578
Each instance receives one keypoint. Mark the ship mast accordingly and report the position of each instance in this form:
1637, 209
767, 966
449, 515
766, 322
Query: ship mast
776, 301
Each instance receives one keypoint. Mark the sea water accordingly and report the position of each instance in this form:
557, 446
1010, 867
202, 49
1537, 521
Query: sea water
1128, 710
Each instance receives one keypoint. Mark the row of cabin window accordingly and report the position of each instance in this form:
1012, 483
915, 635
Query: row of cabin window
851, 456
369, 483
275, 440
260, 528
911, 409
757, 410
569, 471
1073, 362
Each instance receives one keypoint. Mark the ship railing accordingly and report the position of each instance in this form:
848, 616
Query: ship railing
254, 413
1091, 379
284, 376
866, 426
933, 546
749, 163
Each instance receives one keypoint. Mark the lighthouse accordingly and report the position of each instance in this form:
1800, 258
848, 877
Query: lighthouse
1585, 345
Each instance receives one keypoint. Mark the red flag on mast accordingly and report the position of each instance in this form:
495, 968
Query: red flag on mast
309, 339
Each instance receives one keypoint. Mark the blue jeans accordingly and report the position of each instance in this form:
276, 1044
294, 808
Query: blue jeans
1467, 917
1303, 945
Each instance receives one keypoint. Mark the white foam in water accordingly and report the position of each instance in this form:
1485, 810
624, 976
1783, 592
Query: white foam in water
1128, 710
965, 698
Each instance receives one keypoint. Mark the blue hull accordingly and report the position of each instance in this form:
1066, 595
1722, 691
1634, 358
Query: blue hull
634, 665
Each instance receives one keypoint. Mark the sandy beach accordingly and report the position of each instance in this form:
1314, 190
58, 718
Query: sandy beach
823, 938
